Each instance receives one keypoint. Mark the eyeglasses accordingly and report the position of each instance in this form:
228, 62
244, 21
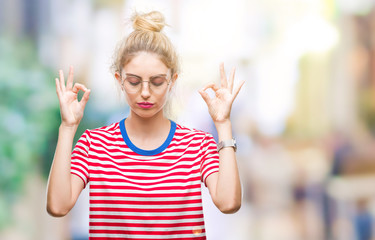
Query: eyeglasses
156, 84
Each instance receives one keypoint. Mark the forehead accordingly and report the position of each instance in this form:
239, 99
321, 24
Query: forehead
146, 64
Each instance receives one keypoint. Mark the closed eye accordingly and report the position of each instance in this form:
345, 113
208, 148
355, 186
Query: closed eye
134, 81
158, 81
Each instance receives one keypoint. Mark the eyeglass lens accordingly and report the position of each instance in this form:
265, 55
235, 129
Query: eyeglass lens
156, 83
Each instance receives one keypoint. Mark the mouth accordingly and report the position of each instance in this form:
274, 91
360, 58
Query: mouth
145, 104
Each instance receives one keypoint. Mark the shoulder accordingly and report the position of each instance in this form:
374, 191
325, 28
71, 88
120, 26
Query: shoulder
183, 131
109, 132
114, 127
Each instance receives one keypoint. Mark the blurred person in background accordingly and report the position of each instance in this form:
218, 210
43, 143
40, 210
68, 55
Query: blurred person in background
145, 171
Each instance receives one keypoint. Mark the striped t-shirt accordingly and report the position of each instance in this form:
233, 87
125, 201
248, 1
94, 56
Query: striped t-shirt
145, 194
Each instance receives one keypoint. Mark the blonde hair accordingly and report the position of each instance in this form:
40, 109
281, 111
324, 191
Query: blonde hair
146, 37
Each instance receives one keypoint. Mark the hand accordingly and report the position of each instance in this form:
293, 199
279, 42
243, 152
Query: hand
220, 106
71, 110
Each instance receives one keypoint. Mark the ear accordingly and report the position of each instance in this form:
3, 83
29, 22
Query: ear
173, 79
118, 78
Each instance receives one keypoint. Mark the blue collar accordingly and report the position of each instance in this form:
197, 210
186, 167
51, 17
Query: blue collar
147, 152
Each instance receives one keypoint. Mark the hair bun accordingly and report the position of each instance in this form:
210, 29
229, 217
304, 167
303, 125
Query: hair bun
152, 21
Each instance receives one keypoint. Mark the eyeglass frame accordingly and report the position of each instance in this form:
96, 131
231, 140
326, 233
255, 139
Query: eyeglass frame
149, 81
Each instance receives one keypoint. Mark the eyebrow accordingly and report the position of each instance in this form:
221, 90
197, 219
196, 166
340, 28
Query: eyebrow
157, 75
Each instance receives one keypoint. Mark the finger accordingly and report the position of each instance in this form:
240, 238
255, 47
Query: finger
205, 96
58, 89
78, 87
210, 85
231, 79
69, 83
62, 81
238, 89
223, 78
85, 98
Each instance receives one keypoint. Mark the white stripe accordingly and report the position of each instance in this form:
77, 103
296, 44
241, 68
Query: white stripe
118, 139
113, 220
172, 176
172, 153
151, 184
124, 155
190, 190
147, 199
187, 141
111, 134
110, 187
140, 206
187, 133
146, 229
146, 214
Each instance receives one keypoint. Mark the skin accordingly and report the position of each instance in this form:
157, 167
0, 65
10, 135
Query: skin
147, 129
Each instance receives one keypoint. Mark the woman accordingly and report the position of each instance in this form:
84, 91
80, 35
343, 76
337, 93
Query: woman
145, 171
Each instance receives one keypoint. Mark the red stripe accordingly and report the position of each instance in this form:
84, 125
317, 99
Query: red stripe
142, 169
137, 217
145, 195
146, 225
149, 210
190, 201
127, 180
167, 188
145, 177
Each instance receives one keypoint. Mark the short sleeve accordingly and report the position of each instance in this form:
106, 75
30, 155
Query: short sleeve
79, 158
210, 157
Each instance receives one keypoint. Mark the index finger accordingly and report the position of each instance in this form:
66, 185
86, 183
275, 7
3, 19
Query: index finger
231, 79
223, 78
210, 85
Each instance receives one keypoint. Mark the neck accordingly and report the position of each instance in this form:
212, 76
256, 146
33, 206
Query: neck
147, 126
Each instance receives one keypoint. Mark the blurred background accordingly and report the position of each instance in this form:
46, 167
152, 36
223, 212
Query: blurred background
304, 120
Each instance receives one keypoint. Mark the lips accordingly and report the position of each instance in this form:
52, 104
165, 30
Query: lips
145, 104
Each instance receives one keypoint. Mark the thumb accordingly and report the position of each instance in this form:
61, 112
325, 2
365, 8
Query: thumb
205, 96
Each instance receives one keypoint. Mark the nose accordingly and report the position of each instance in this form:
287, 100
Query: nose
145, 91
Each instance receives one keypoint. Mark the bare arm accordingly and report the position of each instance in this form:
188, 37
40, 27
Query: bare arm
64, 188
224, 186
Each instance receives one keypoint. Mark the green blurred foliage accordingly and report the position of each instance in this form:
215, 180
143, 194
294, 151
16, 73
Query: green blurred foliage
29, 119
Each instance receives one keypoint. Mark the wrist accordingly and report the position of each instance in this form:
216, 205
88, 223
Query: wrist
68, 128
223, 123
224, 130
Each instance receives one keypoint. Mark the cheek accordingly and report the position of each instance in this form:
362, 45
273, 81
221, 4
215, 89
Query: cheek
128, 97
166, 96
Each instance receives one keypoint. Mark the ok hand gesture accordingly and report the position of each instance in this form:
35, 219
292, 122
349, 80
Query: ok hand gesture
71, 110
220, 106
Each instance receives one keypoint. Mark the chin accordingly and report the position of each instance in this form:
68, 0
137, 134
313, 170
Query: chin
149, 113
